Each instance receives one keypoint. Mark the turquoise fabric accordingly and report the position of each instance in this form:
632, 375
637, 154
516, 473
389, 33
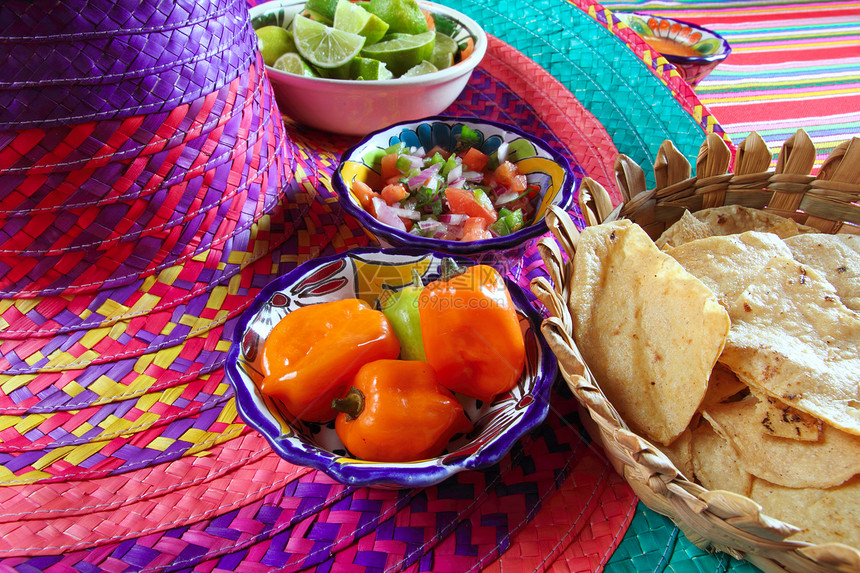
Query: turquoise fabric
653, 543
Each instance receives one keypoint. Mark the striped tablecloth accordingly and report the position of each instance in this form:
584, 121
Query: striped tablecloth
793, 65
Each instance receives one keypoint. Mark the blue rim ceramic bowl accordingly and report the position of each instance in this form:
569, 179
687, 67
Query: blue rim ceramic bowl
542, 165
361, 273
710, 48
353, 107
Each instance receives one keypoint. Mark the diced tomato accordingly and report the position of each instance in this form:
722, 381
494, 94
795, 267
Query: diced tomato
505, 173
365, 195
519, 184
475, 229
389, 166
407, 223
474, 159
394, 192
464, 202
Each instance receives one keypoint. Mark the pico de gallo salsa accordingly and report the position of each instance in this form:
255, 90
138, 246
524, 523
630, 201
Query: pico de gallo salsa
459, 195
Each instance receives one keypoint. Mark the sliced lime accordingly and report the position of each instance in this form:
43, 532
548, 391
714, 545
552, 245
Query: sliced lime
322, 9
322, 45
443, 51
359, 69
401, 15
368, 69
400, 54
424, 67
293, 63
353, 18
274, 41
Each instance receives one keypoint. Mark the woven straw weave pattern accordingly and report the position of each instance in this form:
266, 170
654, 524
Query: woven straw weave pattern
76, 62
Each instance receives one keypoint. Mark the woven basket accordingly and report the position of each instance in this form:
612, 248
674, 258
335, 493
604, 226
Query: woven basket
713, 520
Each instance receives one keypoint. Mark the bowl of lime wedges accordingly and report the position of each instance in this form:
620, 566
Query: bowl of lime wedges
354, 67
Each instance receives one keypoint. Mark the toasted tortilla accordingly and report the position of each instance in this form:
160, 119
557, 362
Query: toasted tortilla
684, 230
649, 330
782, 421
734, 219
828, 462
793, 339
838, 259
727, 264
826, 515
715, 462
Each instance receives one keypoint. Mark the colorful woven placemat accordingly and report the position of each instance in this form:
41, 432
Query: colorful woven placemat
120, 445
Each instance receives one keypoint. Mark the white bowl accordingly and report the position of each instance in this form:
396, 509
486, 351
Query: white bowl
353, 107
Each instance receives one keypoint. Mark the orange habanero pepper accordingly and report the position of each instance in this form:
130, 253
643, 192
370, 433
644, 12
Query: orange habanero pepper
396, 411
313, 353
471, 331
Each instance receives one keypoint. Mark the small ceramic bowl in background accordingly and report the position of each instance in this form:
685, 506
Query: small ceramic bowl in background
542, 166
353, 107
695, 51
361, 273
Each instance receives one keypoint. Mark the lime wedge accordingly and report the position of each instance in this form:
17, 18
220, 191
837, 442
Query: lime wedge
322, 45
443, 51
274, 41
400, 54
359, 69
401, 15
424, 67
293, 63
367, 69
353, 18
323, 10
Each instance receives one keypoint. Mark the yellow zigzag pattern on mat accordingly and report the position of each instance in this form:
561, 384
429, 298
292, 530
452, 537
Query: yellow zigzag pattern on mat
226, 427
146, 412
150, 301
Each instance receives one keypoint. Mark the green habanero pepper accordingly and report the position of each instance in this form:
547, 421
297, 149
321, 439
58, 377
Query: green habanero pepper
401, 310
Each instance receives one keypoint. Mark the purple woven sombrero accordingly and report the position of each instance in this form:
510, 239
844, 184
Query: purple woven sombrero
79, 230
76, 61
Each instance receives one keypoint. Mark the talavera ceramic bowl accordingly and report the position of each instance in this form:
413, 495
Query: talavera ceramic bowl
353, 107
542, 165
707, 48
362, 273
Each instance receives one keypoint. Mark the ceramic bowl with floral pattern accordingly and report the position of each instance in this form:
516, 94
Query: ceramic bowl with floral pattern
695, 51
365, 273
543, 166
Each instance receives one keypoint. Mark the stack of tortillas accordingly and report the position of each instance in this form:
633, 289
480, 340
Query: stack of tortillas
731, 344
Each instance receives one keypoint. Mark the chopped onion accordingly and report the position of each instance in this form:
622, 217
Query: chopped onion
432, 227
453, 218
415, 162
455, 173
473, 176
386, 215
506, 197
423, 176
406, 213
458, 182
502, 152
